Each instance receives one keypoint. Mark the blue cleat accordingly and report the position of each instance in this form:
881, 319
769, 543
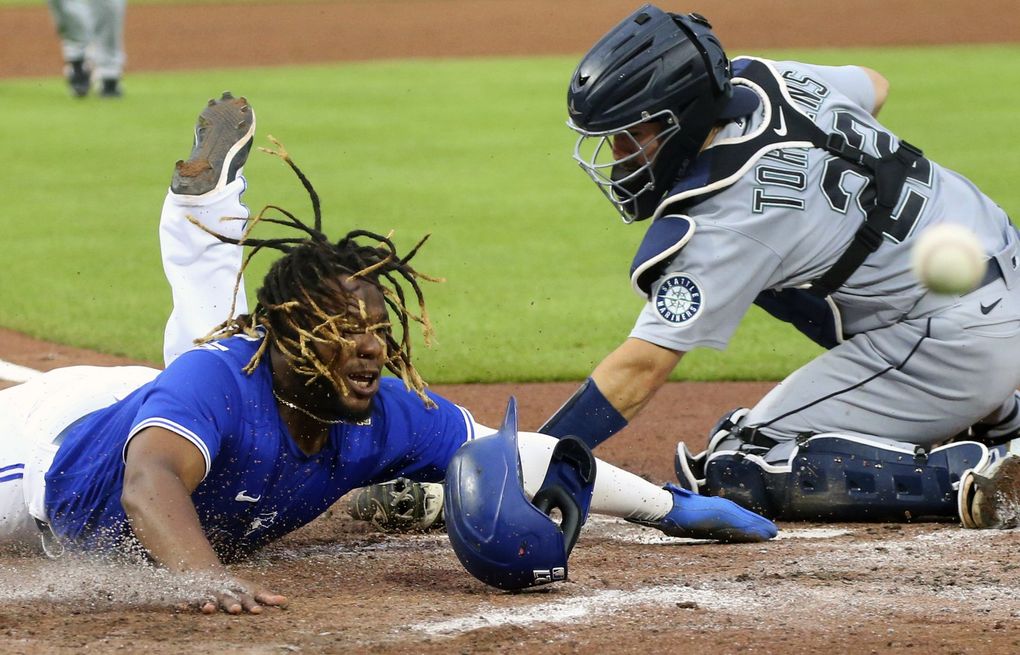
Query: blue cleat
711, 517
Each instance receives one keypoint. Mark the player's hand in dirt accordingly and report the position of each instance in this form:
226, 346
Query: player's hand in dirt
235, 595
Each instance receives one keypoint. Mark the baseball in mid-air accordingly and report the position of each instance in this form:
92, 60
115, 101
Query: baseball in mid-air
949, 259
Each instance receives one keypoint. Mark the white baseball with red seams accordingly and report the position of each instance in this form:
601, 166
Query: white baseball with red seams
949, 259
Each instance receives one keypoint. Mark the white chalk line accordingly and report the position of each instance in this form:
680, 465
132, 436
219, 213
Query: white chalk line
739, 598
610, 601
13, 373
570, 609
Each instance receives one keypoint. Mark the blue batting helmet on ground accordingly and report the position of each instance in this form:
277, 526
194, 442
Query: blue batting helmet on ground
501, 537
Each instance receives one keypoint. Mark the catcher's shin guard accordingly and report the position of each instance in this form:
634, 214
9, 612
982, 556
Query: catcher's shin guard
745, 479
833, 477
990, 497
690, 468
840, 478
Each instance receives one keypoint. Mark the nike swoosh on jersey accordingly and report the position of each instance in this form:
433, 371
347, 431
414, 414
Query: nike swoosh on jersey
988, 308
243, 497
781, 130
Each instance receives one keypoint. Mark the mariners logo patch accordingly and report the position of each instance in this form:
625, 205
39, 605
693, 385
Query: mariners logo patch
678, 299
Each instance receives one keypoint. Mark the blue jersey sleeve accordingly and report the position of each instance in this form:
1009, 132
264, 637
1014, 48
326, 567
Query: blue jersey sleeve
422, 439
196, 397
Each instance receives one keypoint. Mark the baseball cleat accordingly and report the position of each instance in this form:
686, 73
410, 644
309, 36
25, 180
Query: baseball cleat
78, 77
111, 88
711, 517
991, 498
689, 468
223, 137
400, 505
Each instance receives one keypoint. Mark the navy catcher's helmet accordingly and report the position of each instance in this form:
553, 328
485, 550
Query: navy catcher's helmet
654, 67
501, 537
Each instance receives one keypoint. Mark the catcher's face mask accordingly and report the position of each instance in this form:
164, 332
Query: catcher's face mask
621, 161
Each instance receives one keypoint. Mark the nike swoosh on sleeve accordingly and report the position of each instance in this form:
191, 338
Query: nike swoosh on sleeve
986, 309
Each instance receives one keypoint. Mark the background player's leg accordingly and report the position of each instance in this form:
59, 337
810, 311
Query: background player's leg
73, 21
202, 270
108, 45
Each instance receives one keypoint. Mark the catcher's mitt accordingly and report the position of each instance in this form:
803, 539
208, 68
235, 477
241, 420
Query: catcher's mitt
991, 499
399, 505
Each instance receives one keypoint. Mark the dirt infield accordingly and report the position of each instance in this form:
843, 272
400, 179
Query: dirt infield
183, 37
837, 588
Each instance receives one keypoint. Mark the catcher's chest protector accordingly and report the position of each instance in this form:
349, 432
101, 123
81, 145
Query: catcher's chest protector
785, 126
788, 125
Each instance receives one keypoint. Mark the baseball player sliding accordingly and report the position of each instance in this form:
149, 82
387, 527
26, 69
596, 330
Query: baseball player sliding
276, 414
772, 183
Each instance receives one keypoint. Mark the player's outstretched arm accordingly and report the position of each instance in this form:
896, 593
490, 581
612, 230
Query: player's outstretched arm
161, 471
630, 375
619, 387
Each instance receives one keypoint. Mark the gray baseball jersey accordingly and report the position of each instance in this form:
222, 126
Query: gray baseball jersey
904, 363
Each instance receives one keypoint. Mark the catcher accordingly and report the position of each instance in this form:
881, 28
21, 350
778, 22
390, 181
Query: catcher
773, 183
275, 414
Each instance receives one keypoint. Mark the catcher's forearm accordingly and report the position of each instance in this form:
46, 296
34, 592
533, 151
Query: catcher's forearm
619, 387
630, 375
163, 518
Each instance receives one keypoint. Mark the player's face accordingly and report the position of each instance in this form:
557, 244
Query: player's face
356, 364
640, 138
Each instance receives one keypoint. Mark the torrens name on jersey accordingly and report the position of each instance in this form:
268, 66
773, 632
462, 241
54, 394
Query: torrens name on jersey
787, 168
806, 92
678, 299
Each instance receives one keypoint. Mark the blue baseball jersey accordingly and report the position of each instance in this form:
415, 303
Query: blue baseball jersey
258, 484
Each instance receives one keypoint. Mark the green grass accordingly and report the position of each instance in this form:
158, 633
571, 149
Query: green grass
473, 151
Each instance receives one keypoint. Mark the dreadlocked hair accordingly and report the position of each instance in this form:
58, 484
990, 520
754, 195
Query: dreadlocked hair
294, 301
